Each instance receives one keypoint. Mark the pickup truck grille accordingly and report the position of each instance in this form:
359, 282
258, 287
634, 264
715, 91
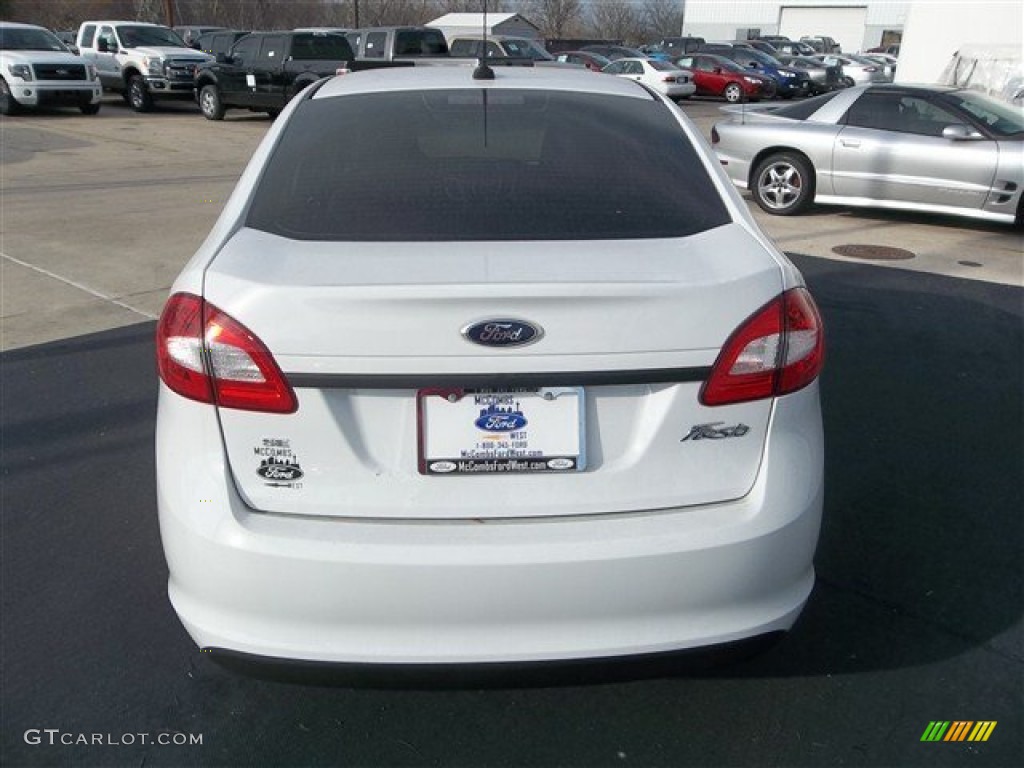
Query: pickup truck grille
181, 69
59, 71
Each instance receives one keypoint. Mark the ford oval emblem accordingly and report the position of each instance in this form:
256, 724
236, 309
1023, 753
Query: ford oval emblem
501, 422
287, 474
502, 333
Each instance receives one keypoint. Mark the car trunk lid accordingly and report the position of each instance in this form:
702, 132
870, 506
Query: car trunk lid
370, 335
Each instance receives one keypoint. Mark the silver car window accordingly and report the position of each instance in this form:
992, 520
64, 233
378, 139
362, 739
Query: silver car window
899, 112
1001, 119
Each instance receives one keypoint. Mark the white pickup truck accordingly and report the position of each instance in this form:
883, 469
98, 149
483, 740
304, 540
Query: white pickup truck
37, 70
143, 62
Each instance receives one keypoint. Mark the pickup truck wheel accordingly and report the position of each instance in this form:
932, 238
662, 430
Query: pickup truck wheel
273, 113
139, 97
89, 109
210, 104
8, 104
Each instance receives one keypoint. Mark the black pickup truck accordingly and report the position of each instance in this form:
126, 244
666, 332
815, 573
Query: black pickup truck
265, 69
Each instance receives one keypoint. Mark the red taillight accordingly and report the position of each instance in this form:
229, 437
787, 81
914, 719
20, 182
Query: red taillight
204, 354
779, 350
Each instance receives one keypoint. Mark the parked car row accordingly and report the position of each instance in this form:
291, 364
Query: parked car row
146, 62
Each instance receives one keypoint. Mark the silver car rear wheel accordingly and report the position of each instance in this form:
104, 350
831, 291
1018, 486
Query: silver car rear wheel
784, 184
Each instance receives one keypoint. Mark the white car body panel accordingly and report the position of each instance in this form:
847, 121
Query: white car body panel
402, 306
403, 592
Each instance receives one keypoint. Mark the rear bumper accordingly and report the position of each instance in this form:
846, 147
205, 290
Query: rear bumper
679, 90
405, 592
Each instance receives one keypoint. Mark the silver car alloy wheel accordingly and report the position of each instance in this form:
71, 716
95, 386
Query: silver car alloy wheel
780, 185
733, 93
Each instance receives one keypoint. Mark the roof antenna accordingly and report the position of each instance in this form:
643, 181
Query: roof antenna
483, 71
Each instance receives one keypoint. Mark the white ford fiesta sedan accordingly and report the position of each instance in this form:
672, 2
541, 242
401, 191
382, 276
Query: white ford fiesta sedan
486, 370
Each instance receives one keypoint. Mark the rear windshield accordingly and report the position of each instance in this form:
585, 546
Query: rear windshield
445, 165
320, 45
420, 42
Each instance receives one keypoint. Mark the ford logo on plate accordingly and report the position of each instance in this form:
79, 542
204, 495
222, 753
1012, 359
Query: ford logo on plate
502, 333
501, 422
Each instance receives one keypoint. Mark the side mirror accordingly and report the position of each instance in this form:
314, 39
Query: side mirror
718, 70
960, 132
752, 65
225, 58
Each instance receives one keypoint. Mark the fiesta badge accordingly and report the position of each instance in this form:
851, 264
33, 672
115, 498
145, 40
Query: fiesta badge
502, 333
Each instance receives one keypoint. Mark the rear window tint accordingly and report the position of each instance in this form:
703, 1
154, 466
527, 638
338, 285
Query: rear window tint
420, 42
438, 165
330, 47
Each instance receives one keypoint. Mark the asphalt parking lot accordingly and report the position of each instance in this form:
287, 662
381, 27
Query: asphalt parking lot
916, 616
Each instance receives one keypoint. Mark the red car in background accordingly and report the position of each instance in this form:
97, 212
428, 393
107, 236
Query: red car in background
718, 76
595, 62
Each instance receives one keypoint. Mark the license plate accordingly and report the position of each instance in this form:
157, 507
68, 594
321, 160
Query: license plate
490, 432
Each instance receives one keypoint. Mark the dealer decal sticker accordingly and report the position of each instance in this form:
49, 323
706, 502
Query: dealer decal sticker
279, 467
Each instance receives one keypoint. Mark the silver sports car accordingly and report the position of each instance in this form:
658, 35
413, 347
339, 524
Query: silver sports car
921, 148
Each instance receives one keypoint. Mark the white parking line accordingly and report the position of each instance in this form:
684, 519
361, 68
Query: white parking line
79, 286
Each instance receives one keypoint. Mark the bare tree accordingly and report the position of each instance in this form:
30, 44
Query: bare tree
462, 6
266, 14
65, 14
663, 18
556, 18
617, 20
